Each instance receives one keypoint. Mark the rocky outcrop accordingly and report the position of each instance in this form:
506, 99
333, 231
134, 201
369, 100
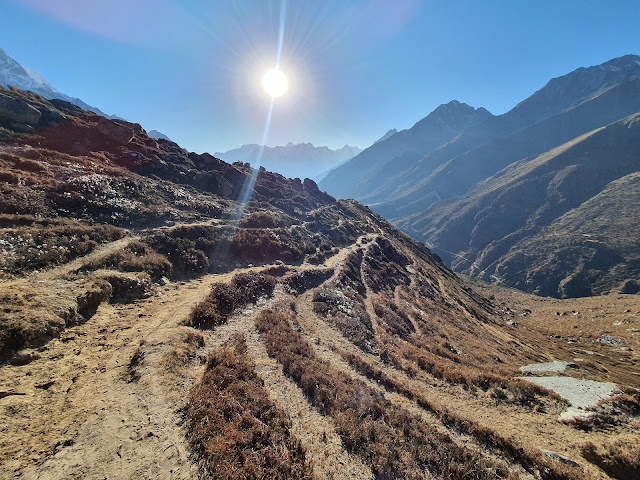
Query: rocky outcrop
115, 131
16, 110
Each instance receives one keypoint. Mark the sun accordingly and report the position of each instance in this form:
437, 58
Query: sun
275, 83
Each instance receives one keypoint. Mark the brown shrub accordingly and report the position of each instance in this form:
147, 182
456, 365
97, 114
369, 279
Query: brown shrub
618, 459
223, 299
267, 245
349, 277
346, 311
188, 247
299, 282
236, 432
392, 442
264, 219
394, 320
384, 266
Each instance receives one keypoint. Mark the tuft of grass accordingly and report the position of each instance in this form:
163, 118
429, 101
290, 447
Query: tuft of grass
223, 299
235, 430
137, 256
618, 459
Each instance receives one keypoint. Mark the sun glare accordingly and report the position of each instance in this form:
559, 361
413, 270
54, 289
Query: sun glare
275, 83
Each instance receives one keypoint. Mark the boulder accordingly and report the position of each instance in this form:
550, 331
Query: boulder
118, 132
16, 110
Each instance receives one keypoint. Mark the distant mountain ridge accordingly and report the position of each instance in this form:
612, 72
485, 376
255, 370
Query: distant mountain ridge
14, 74
374, 166
302, 160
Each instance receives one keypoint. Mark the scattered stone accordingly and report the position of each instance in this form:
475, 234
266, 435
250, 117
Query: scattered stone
609, 340
164, 281
560, 458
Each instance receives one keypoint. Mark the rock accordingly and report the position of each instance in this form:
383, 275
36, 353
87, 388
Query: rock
630, 287
164, 281
609, 340
310, 185
115, 131
560, 458
18, 111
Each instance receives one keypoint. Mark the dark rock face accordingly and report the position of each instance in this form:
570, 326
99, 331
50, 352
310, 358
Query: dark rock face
116, 131
16, 110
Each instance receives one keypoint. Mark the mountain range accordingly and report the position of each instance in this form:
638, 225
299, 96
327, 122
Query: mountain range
302, 160
482, 194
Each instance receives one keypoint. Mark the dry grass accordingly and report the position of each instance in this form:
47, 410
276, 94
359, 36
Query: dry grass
236, 432
245, 288
137, 256
180, 358
392, 442
620, 459
502, 389
529, 459
28, 243
30, 316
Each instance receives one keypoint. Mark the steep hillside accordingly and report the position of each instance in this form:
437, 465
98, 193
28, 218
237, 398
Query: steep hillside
401, 150
405, 175
455, 176
474, 232
168, 315
590, 250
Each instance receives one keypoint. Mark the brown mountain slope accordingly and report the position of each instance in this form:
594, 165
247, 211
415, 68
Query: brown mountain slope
508, 210
589, 250
287, 336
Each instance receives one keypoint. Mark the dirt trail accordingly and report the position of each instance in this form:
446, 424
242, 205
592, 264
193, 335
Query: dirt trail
78, 404
317, 433
324, 447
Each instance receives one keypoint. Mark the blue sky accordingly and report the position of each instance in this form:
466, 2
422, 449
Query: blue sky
192, 69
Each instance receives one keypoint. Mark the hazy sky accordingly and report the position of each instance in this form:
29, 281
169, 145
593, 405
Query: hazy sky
192, 68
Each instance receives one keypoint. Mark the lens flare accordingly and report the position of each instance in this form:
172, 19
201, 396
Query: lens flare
275, 83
